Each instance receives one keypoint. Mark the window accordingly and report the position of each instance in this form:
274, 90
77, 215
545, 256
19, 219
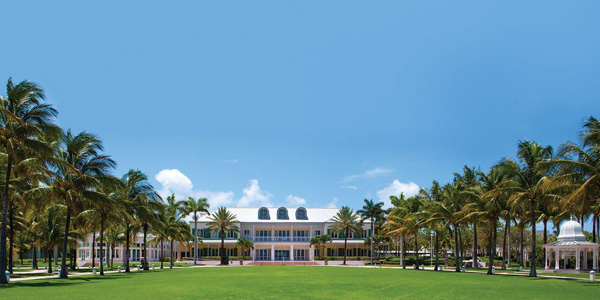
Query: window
317, 232
301, 214
263, 214
246, 232
230, 234
282, 214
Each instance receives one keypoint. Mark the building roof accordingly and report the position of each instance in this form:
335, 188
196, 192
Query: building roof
250, 215
571, 231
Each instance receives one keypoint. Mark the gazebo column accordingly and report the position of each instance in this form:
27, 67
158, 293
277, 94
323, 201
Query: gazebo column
577, 260
556, 258
585, 251
546, 259
564, 260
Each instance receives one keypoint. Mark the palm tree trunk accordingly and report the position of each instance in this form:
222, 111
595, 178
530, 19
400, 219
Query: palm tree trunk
546, 236
403, 251
162, 256
74, 253
345, 245
533, 271
145, 263
417, 249
521, 250
437, 251
11, 235
112, 255
3, 223
508, 245
101, 244
34, 264
372, 225
94, 248
171, 267
49, 252
593, 228
126, 256
504, 246
223, 254
63, 264
475, 263
195, 238
456, 255
492, 247
461, 253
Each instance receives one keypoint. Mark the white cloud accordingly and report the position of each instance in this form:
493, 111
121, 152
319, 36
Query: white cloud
333, 203
394, 189
216, 199
173, 181
350, 187
231, 161
377, 172
295, 200
254, 196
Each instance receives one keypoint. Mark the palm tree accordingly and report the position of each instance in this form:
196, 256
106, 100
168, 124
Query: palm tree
135, 185
24, 121
223, 221
371, 211
115, 236
469, 180
195, 207
244, 244
528, 183
173, 228
433, 195
147, 207
321, 240
346, 222
74, 176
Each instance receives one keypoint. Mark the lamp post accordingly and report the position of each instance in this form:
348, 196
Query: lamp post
431, 250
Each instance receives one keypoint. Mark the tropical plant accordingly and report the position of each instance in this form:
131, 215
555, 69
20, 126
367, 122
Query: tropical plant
195, 207
244, 244
223, 221
346, 222
372, 211
321, 240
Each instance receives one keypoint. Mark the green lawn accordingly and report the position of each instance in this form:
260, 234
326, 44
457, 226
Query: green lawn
281, 282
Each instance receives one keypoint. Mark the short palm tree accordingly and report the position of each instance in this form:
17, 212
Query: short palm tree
223, 221
321, 240
195, 207
244, 244
346, 222
370, 211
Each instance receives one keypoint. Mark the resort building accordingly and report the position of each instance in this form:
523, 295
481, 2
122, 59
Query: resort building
136, 250
280, 234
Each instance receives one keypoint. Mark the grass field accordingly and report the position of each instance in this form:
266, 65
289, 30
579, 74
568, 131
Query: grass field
287, 282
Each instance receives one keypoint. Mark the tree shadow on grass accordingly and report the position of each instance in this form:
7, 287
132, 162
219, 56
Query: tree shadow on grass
51, 282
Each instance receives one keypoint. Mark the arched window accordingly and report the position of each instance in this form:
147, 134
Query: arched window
301, 214
282, 214
263, 214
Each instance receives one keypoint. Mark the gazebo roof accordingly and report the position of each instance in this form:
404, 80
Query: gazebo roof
571, 243
571, 234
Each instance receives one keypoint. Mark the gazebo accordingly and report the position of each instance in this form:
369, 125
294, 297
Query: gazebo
571, 242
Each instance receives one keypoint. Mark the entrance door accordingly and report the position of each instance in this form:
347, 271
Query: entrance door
282, 254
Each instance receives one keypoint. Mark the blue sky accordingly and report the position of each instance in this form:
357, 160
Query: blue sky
313, 103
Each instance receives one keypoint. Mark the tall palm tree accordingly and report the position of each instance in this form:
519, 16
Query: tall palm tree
115, 236
528, 183
195, 207
135, 185
223, 221
147, 208
74, 176
433, 197
370, 211
24, 121
469, 180
346, 222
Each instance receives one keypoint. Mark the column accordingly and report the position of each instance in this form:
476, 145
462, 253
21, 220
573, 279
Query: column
292, 252
272, 232
565, 259
253, 254
585, 258
253, 233
272, 252
556, 258
546, 260
577, 260
310, 232
311, 253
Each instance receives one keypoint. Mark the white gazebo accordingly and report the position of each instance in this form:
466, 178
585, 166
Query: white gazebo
571, 242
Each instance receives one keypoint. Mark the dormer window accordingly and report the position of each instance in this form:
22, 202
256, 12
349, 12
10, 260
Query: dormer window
282, 214
301, 214
263, 214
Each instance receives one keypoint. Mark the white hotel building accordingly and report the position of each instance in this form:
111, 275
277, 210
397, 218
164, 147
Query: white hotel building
280, 234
